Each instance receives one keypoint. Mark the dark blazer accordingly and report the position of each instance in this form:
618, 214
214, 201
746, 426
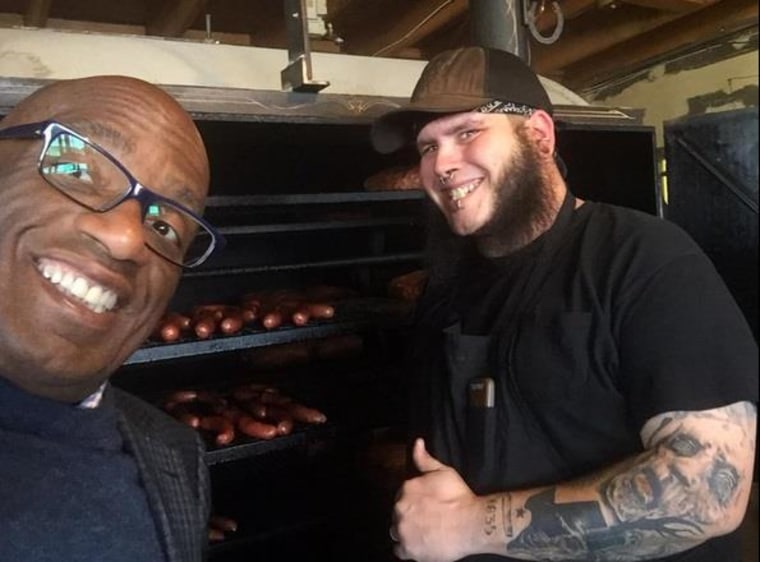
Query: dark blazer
170, 457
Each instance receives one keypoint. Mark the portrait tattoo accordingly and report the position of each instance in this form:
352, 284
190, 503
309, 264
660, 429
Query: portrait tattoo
660, 504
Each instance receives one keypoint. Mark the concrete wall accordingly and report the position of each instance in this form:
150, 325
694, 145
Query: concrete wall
716, 78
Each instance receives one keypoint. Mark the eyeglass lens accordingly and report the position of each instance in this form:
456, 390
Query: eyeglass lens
86, 175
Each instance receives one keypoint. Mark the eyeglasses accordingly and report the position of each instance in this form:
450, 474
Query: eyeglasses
89, 175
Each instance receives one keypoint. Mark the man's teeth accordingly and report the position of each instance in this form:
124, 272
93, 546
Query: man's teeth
97, 298
462, 191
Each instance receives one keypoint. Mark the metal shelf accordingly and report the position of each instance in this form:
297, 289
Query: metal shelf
247, 447
221, 201
350, 316
318, 225
352, 262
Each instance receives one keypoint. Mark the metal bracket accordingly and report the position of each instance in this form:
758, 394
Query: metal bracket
297, 75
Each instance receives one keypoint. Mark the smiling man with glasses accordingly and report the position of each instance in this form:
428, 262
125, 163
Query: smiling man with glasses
92, 177
103, 181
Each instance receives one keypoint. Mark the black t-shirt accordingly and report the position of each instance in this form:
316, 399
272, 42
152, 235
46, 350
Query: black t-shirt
630, 320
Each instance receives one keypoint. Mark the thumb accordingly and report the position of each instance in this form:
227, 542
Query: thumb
423, 460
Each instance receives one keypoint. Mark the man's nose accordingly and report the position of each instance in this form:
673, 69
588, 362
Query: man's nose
119, 230
447, 161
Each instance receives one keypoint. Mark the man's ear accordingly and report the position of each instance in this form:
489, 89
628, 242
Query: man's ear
541, 125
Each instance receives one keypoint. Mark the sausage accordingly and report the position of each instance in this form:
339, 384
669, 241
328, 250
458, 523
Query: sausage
225, 430
250, 313
182, 396
232, 321
281, 306
251, 306
222, 523
301, 315
395, 178
256, 408
165, 331
169, 332
200, 402
255, 428
170, 327
409, 286
281, 417
271, 413
215, 310
207, 318
272, 320
204, 324
184, 322
284, 426
179, 407
302, 413
321, 311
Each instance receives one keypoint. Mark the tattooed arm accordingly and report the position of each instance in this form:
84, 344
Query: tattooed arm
692, 483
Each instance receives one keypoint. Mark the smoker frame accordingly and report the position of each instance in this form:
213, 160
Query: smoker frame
274, 109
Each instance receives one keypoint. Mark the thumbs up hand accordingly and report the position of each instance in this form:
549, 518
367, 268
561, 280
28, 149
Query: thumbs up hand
424, 461
437, 517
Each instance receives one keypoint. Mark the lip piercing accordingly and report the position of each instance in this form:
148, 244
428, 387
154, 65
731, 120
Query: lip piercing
459, 204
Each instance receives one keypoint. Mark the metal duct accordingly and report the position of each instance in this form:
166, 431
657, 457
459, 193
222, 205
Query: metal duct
500, 24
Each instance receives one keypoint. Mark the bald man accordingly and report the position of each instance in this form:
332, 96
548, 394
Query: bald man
102, 186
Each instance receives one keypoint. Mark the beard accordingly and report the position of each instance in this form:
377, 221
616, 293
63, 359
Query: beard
523, 208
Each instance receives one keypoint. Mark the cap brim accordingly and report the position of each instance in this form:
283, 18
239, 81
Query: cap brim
394, 130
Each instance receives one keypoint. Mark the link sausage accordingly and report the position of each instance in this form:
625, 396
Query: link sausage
223, 427
255, 428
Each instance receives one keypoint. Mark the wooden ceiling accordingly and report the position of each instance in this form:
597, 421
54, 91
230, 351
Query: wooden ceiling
601, 40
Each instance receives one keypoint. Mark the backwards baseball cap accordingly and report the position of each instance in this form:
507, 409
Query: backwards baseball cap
465, 79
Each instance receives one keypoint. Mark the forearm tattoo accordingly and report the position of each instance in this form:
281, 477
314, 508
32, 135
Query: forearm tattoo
663, 502
506, 515
491, 511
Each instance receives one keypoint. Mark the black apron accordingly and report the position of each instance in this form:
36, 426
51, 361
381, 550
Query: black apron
484, 441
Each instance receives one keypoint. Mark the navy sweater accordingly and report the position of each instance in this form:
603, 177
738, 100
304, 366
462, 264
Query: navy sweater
68, 490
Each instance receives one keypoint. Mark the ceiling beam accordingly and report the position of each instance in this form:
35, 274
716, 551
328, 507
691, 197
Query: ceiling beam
268, 28
175, 17
409, 27
37, 12
570, 9
596, 33
672, 5
704, 26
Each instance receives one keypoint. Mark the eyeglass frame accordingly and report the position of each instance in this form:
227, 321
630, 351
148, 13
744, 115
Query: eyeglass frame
144, 196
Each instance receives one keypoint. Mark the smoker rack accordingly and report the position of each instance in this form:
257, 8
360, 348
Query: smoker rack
351, 316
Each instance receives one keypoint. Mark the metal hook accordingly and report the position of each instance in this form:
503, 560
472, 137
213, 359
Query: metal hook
533, 16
